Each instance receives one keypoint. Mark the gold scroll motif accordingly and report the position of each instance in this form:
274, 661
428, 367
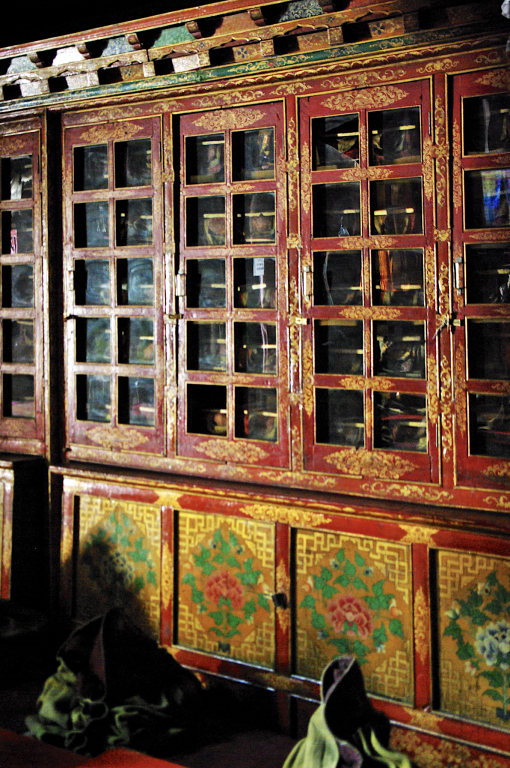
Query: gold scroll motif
491, 236
500, 502
238, 452
447, 407
498, 470
283, 587
496, 78
112, 439
306, 181
167, 578
439, 65
460, 386
14, 145
457, 168
432, 389
421, 625
308, 378
379, 97
235, 119
428, 167
363, 79
417, 534
363, 463
289, 515
413, 492
118, 131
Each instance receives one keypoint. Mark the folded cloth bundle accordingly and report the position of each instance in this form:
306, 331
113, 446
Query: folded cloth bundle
346, 731
115, 686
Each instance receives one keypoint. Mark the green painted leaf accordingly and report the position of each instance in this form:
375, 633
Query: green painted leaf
208, 568
359, 583
396, 628
249, 607
217, 617
189, 578
217, 632
340, 556
124, 540
308, 602
248, 564
138, 584
359, 560
494, 677
233, 539
379, 635
233, 562
465, 651
151, 578
378, 587
318, 620
233, 620
197, 595
328, 591
231, 633
349, 568
249, 578
225, 547
491, 693
218, 558
341, 644
326, 574
318, 582
360, 649
343, 580
453, 630
264, 602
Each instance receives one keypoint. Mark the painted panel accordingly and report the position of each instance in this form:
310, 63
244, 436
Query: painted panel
226, 579
354, 596
119, 560
474, 636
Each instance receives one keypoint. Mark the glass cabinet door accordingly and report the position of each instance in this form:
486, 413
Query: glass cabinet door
368, 345
21, 318
113, 257
232, 336
482, 277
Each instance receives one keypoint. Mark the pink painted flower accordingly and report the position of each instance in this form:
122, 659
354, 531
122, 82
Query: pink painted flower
223, 584
347, 608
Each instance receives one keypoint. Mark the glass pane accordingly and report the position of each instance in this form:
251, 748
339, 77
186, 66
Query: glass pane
256, 415
399, 349
92, 282
336, 210
135, 282
93, 340
396, 207
17, 177
339, 417
397, 278
18, 285
205, 221
253, 154
207, 409
136, 401
337, 278
205, 283
18, 341
255, 283
133, 163
335, 142
488, 343
17, 231
255, 348
254, 218
487, 198
91, 224
206, 346
134, 221
486, 124
339, 347
205, 159
489, 425
488, 274
400, 421
93, 400
91, 167
18, 396
136, 341
395, 136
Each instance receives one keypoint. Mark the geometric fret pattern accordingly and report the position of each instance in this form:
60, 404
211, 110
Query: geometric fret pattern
354, 596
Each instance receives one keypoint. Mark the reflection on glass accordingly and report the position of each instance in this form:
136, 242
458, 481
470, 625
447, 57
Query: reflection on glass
256, 415
93, 340
91, 224
136, 341
339, 417
488, 274
136, 401
135, 282
339, 347
17, 177
335, 142
205, 283
487, 198
489, 425
206, 346
488, 343
255, 348
133, 163
205, 220
93, 398
486, 124
396, 207
254, 218
253, 154
18, 396
92, 282
18, 341
17, 231
336, 210
400, 421
394, 136
337, 278
134, 221
399, 349
205, 159
91, 167
18, 285
207, 410
254, 283
397, 277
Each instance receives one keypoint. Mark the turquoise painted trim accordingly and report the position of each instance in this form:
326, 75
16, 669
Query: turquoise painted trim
193, 77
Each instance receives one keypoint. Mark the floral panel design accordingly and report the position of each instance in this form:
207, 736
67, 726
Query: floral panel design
226, 579
474, 602
354, 596
119, 560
